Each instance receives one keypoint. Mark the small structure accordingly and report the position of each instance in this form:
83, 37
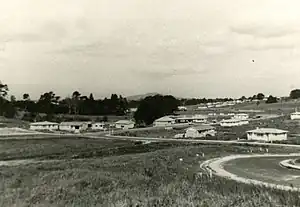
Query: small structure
295, 115
182, 108
200, 131
75, 126
98, 126
267, 134
191, 119
45, 125
233, 122
241, 116
164, 121
124, 124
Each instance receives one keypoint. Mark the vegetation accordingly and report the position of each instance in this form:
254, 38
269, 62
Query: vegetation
295, 94
154, 107
271, 99
153, 177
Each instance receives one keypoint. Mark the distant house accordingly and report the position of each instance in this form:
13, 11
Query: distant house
75, 126
124, 124
241, 116
200, 131
182, 108
164, 121
233, 122
267, 134
45, 125
295, 115
98, 126
191, 119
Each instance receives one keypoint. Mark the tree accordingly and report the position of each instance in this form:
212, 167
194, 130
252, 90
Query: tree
271, 99
295, 94
13, 99
91, 97
3, 90
75, 99
26, 97
260, 96
47, 102
153, 107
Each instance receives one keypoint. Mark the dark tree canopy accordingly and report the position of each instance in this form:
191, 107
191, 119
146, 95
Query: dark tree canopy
154, 107
295, 94
260, 96
271, 99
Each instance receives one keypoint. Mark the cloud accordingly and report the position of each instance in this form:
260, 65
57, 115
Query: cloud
264, 30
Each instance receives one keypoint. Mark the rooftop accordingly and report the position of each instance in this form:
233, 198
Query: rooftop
165, 119
43, 123
267, 130
125, 122
77, 123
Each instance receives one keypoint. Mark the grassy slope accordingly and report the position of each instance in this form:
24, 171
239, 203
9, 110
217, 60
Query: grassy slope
153, 178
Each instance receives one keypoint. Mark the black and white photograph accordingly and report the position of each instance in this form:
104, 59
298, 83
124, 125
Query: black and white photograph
149, 103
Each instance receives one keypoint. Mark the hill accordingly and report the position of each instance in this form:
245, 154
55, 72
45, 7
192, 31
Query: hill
141, 96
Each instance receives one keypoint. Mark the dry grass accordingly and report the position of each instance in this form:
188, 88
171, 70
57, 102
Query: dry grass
152, 177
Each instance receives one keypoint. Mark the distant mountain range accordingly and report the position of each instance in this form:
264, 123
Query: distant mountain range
141, 96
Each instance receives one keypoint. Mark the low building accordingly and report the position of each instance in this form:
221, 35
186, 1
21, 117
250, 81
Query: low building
45, 125
200, 131
75, 126
98, 126
241, 116
233, 122
295, 115
267, 134
191, 119
164, 121
182, 108
124, 124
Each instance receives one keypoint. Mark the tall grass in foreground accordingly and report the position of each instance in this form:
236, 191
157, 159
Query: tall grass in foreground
154, 178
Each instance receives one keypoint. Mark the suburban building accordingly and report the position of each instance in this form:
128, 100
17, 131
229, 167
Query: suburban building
233, 122
98, 126
241, 116
295, 115
267, 134
124, 124
75, 126
164, 121
45, 125
191, 119
200, 131
182, 108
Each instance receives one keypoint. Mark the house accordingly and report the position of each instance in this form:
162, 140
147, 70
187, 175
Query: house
200, 131
267, 134
124, 124
233, 122
295, 115
241, 116
75, 126
98, 126
182, 108
45, 125
164, 121
191, 119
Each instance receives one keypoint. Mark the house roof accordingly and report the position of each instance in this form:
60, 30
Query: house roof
242, 114
124, 122
202, 127
43, 123
74, 123
164, 119
230, 120
267, 130
295, 113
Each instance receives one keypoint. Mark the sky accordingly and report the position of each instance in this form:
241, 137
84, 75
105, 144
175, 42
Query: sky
191, 48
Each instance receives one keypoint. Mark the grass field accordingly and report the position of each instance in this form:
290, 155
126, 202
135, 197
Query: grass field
121, 173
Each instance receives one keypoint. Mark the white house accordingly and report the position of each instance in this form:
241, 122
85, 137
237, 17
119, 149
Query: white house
182, 108
124, 124
233, 122
267, 134
45, 125
75, 126
200, 131
295, 115
241, 116
98, 126
164, 121
191, 119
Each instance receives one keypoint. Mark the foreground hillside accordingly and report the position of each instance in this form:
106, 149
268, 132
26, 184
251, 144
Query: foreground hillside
121, 173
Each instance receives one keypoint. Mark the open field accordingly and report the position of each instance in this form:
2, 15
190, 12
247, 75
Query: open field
147, 175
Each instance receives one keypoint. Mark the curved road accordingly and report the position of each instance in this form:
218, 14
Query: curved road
257, 169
